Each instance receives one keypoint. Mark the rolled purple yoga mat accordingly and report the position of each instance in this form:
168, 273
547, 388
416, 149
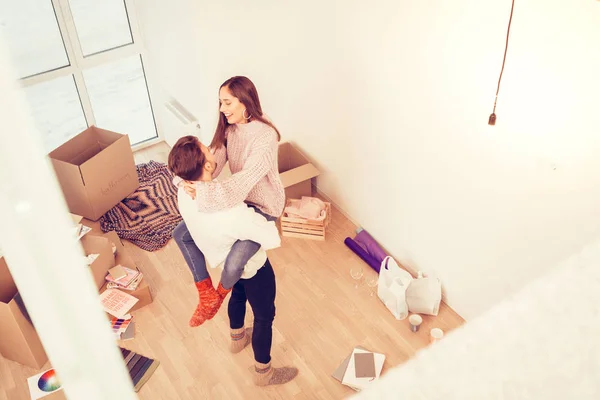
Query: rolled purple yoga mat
355, 247
367, 242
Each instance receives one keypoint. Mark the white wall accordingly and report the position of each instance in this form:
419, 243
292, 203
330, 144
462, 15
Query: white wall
391, 100
528, 347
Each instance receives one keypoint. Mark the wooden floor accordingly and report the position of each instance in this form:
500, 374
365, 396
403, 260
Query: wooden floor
320, 318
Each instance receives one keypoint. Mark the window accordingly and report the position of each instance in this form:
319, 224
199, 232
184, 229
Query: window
81, 63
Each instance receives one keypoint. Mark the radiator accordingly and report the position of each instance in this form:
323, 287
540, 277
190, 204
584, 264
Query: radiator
178, 122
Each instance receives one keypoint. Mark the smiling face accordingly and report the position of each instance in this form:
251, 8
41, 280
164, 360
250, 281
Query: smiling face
231, 107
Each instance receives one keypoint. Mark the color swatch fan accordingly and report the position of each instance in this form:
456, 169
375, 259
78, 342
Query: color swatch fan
41, 385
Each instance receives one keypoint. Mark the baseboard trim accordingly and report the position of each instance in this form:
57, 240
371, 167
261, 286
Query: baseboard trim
337, 206
414, 272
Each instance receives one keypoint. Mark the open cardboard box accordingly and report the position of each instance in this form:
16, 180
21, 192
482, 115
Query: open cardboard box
142, 293
105, 261
296, 171
18, 339
96, 170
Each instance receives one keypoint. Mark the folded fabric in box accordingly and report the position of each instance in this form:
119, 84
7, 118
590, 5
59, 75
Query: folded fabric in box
308, 208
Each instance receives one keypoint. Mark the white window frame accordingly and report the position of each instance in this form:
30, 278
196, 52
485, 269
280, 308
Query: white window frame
79, 63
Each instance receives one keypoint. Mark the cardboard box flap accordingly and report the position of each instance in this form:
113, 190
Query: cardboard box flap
8, 289
107, 137
72, 148
299, 174
92, 137
86, 154
93, 244
76, 218
289, 157
106, 161
121, 257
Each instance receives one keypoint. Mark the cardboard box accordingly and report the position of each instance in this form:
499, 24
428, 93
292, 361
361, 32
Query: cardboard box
18, 339
142, 293
76, 218
58, 395
96, 170
296, 172
106, 260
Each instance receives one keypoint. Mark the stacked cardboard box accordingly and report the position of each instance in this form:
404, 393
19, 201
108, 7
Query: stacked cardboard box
18, 339
142, 292
95, 170
296, 171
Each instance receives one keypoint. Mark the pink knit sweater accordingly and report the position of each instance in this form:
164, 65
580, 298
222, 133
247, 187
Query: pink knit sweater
252, 154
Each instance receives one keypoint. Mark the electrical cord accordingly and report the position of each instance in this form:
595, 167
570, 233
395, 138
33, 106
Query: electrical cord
492, 119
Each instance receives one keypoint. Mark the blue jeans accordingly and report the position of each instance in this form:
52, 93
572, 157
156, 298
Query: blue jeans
241, 252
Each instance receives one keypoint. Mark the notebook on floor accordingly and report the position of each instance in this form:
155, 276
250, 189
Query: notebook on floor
140, 368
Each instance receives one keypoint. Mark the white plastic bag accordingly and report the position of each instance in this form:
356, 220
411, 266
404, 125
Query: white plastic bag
424, 295
391, 287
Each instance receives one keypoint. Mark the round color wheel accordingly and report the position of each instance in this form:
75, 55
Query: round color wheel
48, 382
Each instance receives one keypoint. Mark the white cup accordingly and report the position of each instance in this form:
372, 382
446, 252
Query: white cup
435, 334
415, 321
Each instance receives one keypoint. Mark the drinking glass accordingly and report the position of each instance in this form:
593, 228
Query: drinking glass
357, 274
372, 283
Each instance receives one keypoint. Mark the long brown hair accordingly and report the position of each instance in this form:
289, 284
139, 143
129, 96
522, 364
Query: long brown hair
244, 90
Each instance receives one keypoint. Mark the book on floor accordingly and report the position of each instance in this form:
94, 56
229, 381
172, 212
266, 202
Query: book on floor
361, 376
364, 365
129, 275
117, 272
131, 287
140, 368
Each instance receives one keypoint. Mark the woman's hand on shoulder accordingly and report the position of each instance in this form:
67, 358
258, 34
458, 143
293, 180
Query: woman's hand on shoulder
190, 189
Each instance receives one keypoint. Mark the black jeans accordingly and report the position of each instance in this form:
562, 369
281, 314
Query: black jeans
259, 291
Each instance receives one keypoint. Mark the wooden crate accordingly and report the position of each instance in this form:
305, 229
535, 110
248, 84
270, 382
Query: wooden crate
305, 228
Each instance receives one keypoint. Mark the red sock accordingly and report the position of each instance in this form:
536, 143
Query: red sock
222, 291
215, 303
208, 295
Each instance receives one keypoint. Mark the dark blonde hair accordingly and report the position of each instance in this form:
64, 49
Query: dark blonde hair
244, 90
